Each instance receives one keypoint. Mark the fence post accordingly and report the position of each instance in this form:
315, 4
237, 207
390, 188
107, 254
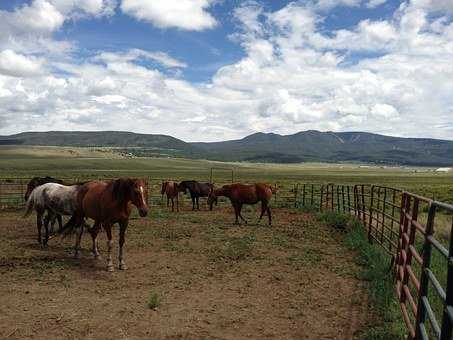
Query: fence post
342, 198
338, 198
447, 325
321, 199
424, 280
363, 205
327, 197
349, 198
384, 206
370, 220
303, 197
312, 193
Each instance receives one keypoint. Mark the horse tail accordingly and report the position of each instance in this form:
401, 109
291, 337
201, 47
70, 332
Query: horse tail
29, 205
70, 227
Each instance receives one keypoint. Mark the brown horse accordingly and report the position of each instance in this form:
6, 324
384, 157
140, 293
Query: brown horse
108, 203
171, 190
196, 190
240, 194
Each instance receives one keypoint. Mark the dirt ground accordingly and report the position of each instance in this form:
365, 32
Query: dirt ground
203, 277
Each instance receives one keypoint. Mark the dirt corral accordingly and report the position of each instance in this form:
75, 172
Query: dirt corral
191, 275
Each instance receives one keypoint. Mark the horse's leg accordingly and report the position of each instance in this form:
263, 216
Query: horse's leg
172, 205
239, 213
39, 214
78, 240
177, 202
46, 228
236, 212
168, 201
94, 236
108, 230
198, 203
60, 222
193, 202
263, 210
269, 215
123, 227
52, 224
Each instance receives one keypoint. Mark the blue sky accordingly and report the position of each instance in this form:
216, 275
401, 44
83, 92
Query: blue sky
204, 51
218, 69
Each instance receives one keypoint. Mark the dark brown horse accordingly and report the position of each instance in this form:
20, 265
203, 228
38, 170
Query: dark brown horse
171, 190
36, 182
240, 194
108, 203
196, 190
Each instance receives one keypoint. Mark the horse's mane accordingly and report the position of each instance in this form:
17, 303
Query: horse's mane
120, 188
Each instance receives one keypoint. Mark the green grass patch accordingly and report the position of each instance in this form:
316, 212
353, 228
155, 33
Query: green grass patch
154, 300
374, 264
233, 249
335, 220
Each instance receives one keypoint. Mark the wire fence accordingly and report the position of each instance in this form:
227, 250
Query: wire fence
416, 232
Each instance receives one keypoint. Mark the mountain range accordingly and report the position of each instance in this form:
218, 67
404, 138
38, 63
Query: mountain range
305, 146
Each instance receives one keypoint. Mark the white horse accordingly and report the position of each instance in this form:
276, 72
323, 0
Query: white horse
56, 199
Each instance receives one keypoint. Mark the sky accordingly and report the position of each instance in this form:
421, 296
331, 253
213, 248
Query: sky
210, 70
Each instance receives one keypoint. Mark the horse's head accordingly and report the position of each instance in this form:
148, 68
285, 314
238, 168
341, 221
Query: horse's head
182, 187
134, 190
34, 182
212, 197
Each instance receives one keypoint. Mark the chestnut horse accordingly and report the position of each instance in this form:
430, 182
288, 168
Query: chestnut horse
240, 194
171, 190
108, 203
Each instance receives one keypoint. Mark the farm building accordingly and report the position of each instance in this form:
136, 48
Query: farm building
443, 170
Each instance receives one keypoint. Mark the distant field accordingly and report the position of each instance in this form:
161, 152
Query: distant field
74, 162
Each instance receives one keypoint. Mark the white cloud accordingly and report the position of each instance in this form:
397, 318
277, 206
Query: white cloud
375, 3
135, 54
182, 14
380, 75
434, 5
85, 7
17, 65
40, 17
328, 4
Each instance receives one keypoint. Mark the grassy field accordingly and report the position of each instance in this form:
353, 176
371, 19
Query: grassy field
25, 162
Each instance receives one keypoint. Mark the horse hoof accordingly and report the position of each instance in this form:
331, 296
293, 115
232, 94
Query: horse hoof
97, 256
122, 266
110, 268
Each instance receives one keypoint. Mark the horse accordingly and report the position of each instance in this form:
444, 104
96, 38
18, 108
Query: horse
171, 189
240, 194
196, 190
56, 199
36, 182
108, 203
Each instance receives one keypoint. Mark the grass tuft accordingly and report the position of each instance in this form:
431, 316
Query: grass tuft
154, 300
